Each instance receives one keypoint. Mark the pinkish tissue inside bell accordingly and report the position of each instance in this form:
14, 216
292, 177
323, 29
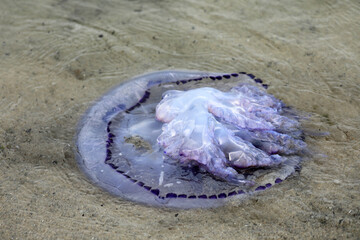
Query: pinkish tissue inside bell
224, 131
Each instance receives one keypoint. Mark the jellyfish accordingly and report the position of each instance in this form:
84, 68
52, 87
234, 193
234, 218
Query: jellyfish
185, 139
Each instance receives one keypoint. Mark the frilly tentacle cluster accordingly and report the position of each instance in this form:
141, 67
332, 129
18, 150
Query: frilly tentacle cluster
225, 131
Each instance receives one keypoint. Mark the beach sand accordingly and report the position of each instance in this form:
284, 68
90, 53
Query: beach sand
57, 57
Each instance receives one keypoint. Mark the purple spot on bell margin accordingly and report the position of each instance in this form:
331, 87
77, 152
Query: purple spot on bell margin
212, 78
182, 196
108, 155
260, 188
222, 195
119, 171
218, 77
192, 196
213, 197
171, 195
146, 96
183, 81
234, 74
232, 193
278, 180
258, 80
113, 165
110, 135
241, 192
268, 185
147, 188
177, 82
140, 184
127, 176
202, 196
242, 72
265, 86
226, 76
133, 180
251, 76
155, 191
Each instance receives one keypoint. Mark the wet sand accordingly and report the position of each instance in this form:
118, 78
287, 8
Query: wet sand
58, 57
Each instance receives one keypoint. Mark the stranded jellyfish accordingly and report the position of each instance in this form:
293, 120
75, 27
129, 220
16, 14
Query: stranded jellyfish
189, 139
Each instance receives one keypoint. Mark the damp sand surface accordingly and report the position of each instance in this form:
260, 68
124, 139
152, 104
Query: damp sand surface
57, 57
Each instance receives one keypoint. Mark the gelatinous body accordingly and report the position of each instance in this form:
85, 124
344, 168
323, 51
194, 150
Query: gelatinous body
188, 139
218, 130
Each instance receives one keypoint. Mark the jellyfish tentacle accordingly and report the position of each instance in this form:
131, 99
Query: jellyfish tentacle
238, 118
241, 153
272, 142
